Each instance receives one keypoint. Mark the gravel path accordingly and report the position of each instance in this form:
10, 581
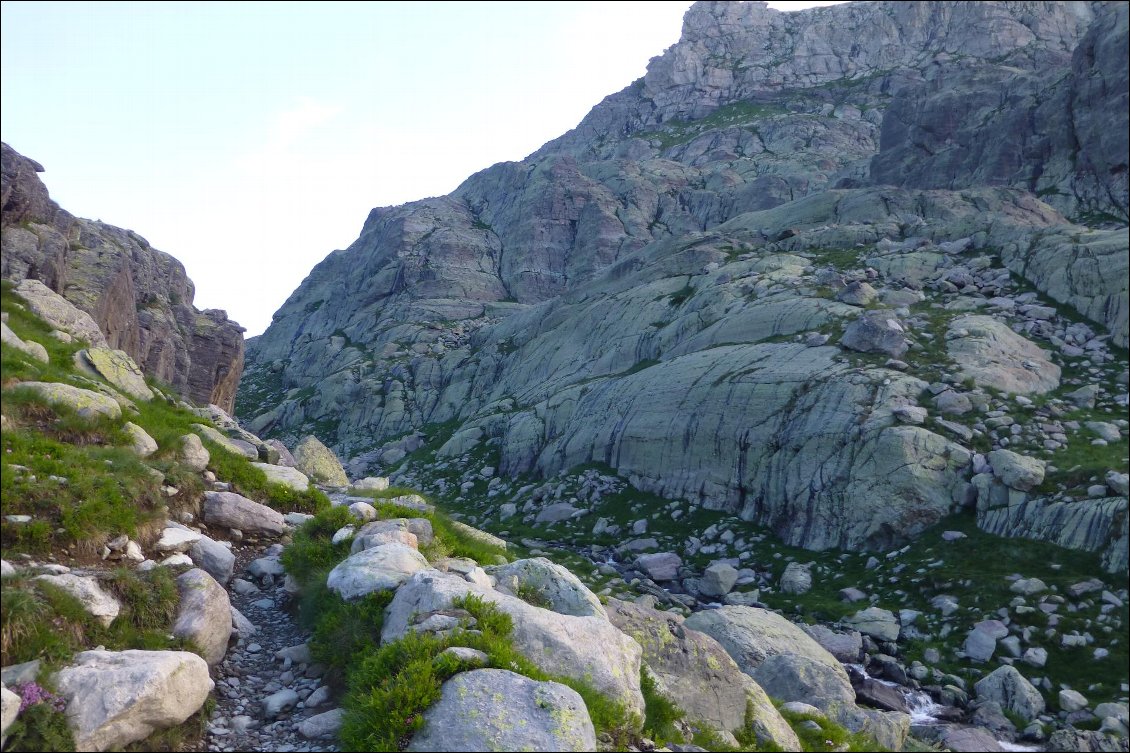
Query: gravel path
264, 696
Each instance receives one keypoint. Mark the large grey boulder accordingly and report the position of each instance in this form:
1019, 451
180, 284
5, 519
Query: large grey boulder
797, 678
204, 614
509, 712
797, 578
9, 710
86, 403
193, 453
319, 463
1006, 686
717, 580
876, 622
117, 368
987, 351
381, 568
751, 635
323, 726
846, 647
60, 313
876, 332
30, 347
1017, 471
281, 474
584, 648
232, 510
550, 585
234, 446
115, 698
141, 443
101, 605
693, 670
661, 566
214, 558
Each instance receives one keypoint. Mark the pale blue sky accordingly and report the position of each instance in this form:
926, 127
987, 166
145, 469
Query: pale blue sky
251, 139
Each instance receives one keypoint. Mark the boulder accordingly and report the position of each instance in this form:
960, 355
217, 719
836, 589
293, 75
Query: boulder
176, 539
797, 678
389, 536
1085, 741
751, 635
115, 698
584, 648
549, 585
987, 351
319, 463
661, 566
1012, 691
59, 313
117, 368
469, 531
510, 712
324, 726
100, 604
204, 615
281, 474
1017, 471
876, 332
381, 568
717, 580
240, 448
797, 578
9, 710
30, 347
695, 672
876, 622
214, 558
279, 702
284, 456
232, 510
421, 528
556, 512
86, 403
372, 483
193, 453
141, 443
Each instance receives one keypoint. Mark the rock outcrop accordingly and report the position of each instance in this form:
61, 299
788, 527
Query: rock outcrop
675, 288
139, 297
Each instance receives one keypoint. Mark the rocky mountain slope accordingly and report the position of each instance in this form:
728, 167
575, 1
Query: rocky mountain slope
140, 298
782, 275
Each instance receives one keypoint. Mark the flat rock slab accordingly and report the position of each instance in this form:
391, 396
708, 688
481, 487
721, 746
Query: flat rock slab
987, 351
117, 368
509, 712
751, 635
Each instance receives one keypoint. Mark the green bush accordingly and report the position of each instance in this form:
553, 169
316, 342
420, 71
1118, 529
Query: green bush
40, 728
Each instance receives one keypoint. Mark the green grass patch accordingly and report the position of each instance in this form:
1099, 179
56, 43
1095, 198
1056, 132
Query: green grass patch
41, 621
820, 734
40, 728
251, 482
391, 688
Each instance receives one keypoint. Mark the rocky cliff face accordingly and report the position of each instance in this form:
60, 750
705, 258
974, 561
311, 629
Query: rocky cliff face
679, 288
140, 297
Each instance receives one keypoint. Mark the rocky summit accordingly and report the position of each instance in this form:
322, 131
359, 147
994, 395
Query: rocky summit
781, 404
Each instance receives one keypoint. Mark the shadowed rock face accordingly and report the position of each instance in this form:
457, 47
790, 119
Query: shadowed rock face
140, 297
646, 292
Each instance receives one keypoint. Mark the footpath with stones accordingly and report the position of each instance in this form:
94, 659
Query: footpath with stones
269, 692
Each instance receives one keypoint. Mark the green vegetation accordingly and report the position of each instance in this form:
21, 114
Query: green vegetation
41, 621
677, 132
250, 481
819, 734
40, 727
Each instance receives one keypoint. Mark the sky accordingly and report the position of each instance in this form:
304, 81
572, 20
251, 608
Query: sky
249, 140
